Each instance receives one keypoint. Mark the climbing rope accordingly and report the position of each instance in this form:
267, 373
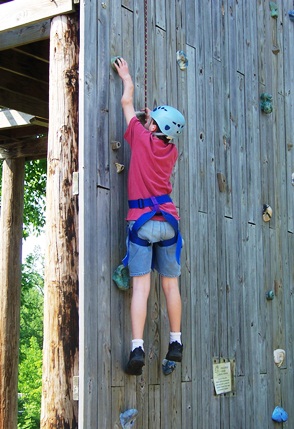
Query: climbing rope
145, 50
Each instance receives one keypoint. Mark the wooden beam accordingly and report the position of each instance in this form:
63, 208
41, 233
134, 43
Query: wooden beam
22, 36
23, 65
11, 221
29, 149
23, 103
24, 85
28, 132
19, 13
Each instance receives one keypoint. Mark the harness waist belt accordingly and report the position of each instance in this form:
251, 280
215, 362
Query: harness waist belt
141, 203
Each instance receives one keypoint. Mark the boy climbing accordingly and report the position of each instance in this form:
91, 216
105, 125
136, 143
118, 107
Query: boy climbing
154, 239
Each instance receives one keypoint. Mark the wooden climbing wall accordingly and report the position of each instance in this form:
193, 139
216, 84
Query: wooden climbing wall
233, 159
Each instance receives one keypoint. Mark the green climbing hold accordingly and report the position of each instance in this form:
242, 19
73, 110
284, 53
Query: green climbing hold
274, 9
114, 60
266, 102
121, 277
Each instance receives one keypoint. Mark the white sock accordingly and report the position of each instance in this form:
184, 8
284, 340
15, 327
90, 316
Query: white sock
175, 336
137, 343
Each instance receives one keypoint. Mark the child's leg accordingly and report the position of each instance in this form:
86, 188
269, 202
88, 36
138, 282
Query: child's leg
170, 286
141, 289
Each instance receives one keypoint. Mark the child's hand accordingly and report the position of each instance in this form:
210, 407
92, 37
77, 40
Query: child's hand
122, 68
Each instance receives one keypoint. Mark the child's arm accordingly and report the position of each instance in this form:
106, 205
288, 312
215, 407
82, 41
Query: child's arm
127, 98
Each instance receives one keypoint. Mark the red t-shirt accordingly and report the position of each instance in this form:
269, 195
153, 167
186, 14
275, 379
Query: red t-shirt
151, 165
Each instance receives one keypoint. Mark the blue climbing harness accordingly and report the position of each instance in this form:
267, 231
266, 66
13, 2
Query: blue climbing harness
153, 202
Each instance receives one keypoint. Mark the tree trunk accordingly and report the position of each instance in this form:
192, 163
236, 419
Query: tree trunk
11, 222
60, 363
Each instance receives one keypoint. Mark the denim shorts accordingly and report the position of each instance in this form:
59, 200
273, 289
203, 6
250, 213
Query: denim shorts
162, 258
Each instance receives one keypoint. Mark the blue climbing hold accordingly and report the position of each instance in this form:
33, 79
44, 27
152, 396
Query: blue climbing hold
291, 15
168, 366
128, 418
279, 415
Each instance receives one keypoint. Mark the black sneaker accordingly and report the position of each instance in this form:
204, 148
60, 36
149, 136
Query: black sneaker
175, 351
136, 362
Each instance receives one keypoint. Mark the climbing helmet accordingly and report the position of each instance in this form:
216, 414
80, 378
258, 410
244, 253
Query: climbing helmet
169, 120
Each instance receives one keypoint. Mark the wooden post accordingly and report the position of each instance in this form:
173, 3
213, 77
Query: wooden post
60, 364
10, 283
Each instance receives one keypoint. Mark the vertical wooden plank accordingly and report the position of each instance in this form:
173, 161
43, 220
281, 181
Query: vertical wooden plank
191, 27
171, 50
195, 339
171, 406
239, 22
88, 247
160, 14
252, 111
11, 220
117, 406
155, 336
200, 111
139, 53
250, 346
102, 113
120, 336
187, 405
218, 29
183, 187
222, 116
288, 36
154, 406
103, 318
159, 87
204, 314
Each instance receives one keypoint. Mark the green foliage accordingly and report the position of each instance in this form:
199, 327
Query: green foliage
31, 341
34, 195
30, 385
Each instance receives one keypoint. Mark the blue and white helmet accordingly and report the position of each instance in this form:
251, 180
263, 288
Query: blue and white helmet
169, 120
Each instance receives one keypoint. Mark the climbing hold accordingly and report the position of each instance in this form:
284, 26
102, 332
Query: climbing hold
275, 50
266, 102
114, 60
182, 60
279, 357
274, 9
291, 15
121, 277
168, 366
267, 213
270, 295
128, 418
279, 415
119, 167
115, 145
